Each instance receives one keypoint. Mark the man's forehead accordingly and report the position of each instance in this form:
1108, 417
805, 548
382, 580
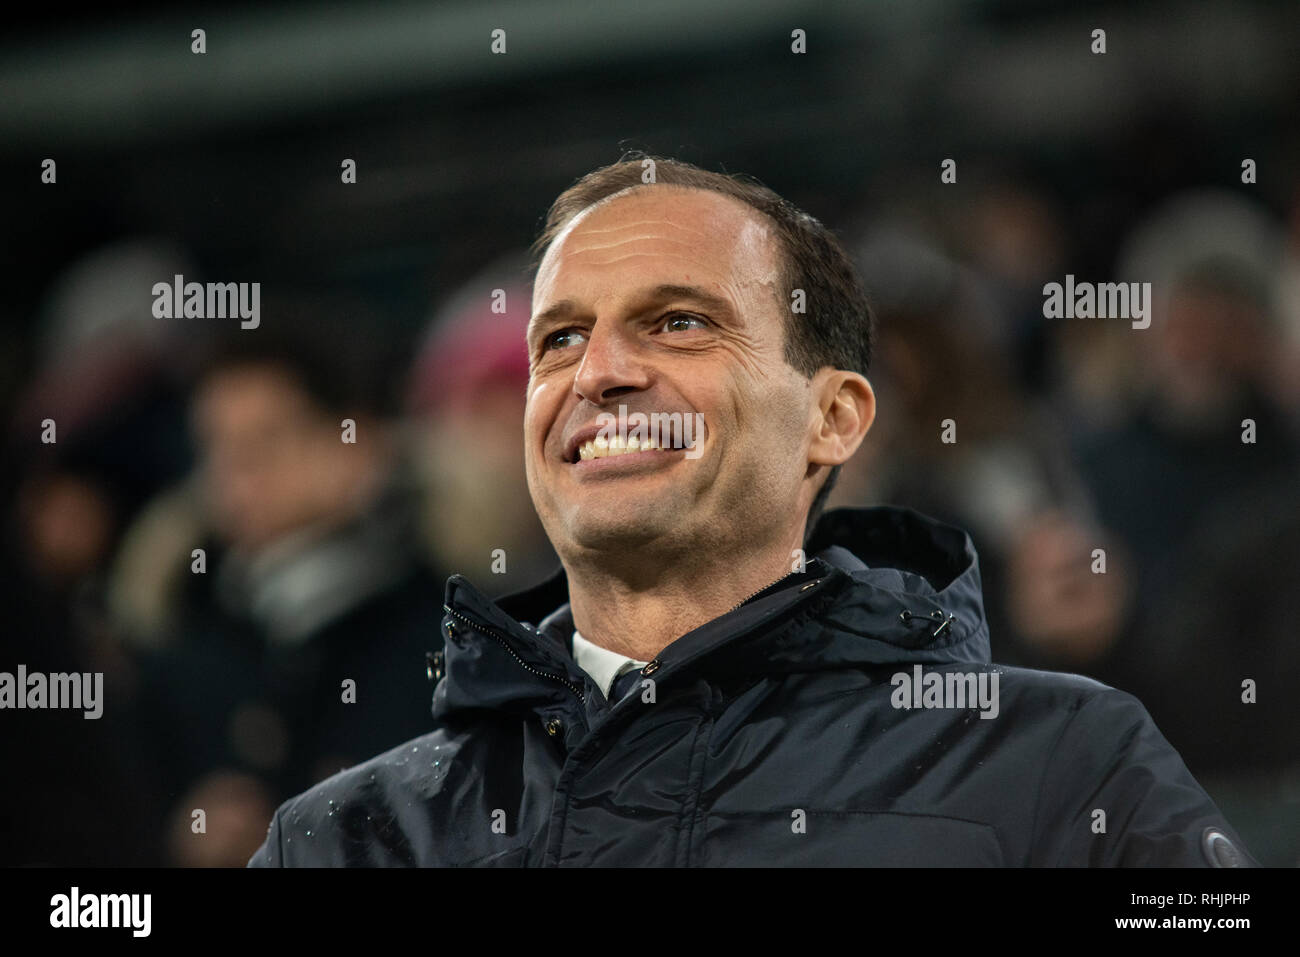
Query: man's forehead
703, 230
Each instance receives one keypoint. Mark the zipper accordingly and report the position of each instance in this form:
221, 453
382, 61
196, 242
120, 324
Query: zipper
752, 629
766, 587
505, 643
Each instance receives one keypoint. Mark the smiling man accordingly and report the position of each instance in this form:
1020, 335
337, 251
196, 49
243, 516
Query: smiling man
674, 301
721, 675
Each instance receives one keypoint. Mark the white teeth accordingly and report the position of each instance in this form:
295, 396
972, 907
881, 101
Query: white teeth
602, 447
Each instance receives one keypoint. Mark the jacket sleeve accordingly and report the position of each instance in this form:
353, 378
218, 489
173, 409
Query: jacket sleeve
1116, 794
270, 854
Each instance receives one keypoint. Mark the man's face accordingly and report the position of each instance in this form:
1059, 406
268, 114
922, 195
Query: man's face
665, 300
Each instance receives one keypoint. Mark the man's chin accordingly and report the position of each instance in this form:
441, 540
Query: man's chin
623, 526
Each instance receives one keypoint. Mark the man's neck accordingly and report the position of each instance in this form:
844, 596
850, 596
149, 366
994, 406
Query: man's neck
639, 618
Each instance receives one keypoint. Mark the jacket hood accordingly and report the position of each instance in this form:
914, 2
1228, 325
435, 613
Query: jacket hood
884, 586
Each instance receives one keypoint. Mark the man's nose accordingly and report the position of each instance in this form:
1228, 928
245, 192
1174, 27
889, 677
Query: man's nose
612, 365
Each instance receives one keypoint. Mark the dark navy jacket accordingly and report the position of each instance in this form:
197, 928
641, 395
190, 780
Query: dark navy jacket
773, 735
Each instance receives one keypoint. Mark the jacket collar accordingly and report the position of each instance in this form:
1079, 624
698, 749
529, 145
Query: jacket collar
886, 586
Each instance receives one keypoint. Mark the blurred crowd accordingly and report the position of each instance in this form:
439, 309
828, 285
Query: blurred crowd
204, 534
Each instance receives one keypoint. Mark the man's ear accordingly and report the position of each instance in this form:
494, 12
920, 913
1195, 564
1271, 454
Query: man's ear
845, 409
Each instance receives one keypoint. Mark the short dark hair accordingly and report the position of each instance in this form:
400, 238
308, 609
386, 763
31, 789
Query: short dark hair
324, 339
837, 328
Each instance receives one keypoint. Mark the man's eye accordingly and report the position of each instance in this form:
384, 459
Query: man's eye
678, 322
561, 339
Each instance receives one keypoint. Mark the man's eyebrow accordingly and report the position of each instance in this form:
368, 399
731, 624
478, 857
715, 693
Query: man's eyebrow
702, 296
557, 311
547, 317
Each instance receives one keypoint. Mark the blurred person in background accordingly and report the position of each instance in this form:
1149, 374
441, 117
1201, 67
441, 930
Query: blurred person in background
106, 383
298, 645
466, 393
1212, 518
1203, 367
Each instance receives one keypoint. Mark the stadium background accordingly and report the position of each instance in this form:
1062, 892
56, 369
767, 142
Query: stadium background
326, 560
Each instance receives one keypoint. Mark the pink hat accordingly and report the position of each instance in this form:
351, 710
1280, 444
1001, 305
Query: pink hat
470, 348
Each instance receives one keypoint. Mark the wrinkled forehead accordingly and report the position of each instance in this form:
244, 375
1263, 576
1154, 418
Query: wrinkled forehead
664, 232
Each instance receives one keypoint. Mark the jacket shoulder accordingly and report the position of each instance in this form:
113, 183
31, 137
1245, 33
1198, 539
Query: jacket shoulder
365, 815
1114, 791
1072, 698
1060, 683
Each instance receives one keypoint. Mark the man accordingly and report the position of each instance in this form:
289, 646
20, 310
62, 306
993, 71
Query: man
703, 684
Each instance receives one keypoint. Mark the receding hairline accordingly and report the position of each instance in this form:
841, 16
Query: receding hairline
768, 224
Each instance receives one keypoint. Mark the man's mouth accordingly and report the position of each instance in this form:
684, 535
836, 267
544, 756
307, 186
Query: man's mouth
601, 448
661, 434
